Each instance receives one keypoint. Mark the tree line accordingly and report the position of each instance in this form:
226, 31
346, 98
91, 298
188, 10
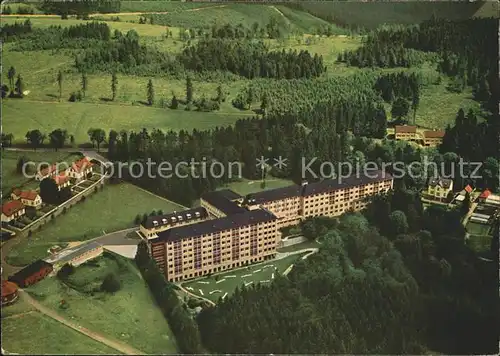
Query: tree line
79, 7
183, 327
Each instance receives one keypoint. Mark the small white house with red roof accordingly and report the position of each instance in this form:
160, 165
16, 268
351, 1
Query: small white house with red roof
81, 169
27, 197
12, 210
47, 172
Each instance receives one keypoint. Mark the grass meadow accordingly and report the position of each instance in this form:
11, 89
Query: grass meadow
36, 334
112, 209
129, 315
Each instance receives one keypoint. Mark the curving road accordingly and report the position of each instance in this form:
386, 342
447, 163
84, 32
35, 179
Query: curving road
115, 344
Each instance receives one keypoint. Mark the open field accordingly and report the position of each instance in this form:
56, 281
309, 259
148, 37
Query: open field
77, 118
245, 14
129, 315
224, 283
246, 186
114, 208
10, 177
35, 334
152, 6
373, 14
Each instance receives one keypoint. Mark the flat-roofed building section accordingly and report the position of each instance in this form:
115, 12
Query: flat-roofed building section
284, 202
405, 132
216, 245
222, 203
334, 197
157, 223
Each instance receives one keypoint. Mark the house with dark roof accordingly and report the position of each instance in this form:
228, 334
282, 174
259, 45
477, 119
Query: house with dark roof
157, 223
27, 197
439, 188
222, 203
31, 274
12, 210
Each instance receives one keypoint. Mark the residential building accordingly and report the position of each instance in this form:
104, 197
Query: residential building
433, 138
9, 293
439, 188
28, 197
246, 230
215, 245
12, 210
81, 169
157, 223
62, 181
405, 132
47, 172
484, 195
31, 274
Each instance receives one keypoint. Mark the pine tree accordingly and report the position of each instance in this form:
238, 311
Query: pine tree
59, 82
84, 83
175, 103
114, 85
189, 90
11, 75
19, 86
151, 93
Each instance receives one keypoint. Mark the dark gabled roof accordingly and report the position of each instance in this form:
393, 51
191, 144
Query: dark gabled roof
442, 182
211, 226
342, 183
190, 214
221, 199
28, 271
274, 194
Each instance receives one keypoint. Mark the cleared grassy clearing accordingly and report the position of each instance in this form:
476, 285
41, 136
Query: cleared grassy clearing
77, 118
246, 186
129, 315
225, 283
114, 208
151, 6
35, 334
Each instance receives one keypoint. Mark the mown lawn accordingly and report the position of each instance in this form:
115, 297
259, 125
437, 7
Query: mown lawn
129, 315
114, 208
227, 282
77, 118
480, 236
246, 186
35, 334
10, 177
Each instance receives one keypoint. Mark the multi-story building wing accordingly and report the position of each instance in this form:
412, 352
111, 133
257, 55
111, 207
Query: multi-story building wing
246, 230
157, 223
215, 245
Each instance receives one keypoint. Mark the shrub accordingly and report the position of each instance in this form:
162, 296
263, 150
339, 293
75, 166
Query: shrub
75, 96
110, 284
65, 271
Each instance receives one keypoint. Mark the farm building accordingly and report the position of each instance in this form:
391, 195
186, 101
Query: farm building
9, 293
31, 274
27, 197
